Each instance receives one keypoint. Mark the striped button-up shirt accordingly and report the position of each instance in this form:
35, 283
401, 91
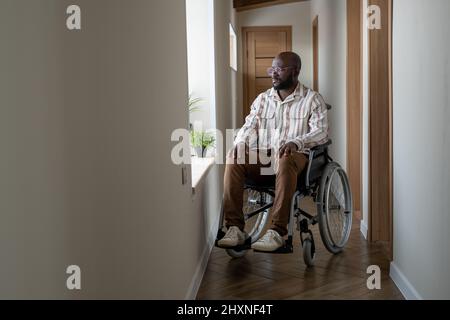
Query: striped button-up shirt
301, 118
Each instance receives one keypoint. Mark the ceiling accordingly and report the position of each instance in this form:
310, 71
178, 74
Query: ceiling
241, 5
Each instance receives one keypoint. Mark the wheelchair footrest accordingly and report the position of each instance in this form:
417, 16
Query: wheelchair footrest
246, 246
286, 249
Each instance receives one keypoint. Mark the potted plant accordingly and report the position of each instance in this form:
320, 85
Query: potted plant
201, 141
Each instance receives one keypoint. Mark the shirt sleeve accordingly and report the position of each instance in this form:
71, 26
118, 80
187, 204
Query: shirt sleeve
318, 126
250, 128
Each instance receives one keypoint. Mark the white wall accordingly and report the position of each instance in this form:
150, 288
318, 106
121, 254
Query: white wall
86, 119
226, 77
207, 200
333, 69
35, 222
422, 145
200, 38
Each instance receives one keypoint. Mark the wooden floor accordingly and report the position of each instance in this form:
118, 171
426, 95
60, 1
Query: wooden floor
275, 277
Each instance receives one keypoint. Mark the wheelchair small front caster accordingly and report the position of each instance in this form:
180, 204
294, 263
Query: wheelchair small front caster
240, 251
309, 252
236, 254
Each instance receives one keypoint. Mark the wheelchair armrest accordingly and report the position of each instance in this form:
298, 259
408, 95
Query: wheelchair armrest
317, 157
322, 147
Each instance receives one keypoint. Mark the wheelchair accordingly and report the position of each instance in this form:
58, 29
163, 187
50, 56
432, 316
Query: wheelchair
327, 183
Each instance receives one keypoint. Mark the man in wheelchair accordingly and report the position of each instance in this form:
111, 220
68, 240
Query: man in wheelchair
286, 120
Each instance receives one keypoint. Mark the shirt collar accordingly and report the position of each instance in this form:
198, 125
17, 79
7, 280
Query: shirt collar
299, 91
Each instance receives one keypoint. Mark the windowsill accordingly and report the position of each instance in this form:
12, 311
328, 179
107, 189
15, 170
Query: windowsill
200, 168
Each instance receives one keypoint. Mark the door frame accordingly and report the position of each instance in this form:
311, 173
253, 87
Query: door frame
355, 101
315, 43
380, 120
380, 140
245, 30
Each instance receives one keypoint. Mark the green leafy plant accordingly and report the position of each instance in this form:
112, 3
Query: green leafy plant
201, 141
193, 104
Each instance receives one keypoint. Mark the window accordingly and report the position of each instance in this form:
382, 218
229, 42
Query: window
201, 67
201, 73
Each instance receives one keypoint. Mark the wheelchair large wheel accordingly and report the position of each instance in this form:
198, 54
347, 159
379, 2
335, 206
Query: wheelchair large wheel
255, 222
335, 208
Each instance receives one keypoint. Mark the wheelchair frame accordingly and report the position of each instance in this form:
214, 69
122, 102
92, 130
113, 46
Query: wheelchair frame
319, 161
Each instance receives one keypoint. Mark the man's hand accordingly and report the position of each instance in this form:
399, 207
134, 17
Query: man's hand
287, 149
238, 152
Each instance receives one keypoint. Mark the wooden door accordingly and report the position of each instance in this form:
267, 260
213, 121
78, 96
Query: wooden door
260, 46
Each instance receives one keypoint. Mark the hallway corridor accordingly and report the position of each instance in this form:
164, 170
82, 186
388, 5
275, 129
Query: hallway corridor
278, 277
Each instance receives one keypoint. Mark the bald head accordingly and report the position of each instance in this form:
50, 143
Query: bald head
285, 71
291, 59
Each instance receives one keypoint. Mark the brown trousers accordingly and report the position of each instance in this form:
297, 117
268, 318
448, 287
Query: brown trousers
286, 184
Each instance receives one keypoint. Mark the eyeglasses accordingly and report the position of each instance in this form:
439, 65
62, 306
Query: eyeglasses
278, 70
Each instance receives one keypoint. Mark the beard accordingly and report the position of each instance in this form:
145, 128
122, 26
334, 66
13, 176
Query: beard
284, 85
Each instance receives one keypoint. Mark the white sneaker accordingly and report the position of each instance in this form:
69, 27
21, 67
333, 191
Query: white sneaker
234, 237
270, 242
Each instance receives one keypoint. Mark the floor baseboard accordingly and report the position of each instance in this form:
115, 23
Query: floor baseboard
364, 229
403, 284
203, 263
